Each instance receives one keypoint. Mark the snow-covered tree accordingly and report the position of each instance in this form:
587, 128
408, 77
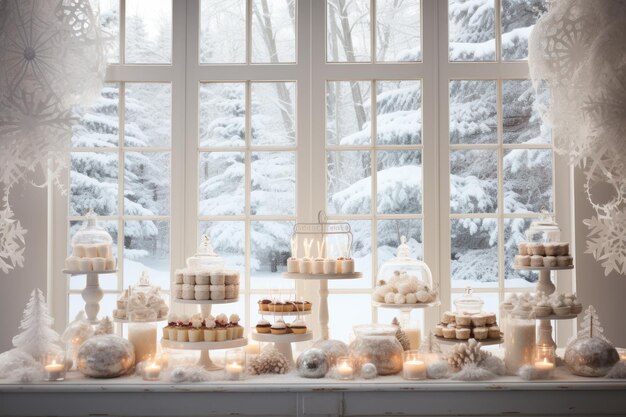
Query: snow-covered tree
37, 337
590, 325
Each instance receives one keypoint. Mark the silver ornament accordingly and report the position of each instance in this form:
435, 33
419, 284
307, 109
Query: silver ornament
312, 363
368, 371
590, 356
334, 349
105, 356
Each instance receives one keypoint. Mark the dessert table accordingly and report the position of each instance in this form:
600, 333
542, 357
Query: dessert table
290, 395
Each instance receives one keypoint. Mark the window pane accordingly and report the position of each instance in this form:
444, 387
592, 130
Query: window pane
472, 30
273, 31
348, 113
99, 124
222, 183
148, 32
473, 112
348, 36
474, 259
148, 114
398, 112
228, 239
518, 19
222, 114
273, 113
389, 234
273, 183
93, 183
147, 183
270, 247
473, 181
527, 180
147, 248
398, 30
515, 232
349, 182
521, 120
346, 311
361, 253
110, 26
399, 182
223, 31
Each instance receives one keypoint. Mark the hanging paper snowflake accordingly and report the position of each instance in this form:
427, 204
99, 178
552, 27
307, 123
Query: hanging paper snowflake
12, 242
606, 241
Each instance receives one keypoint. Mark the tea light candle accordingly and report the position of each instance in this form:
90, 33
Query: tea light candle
235, 365
544, 361
55, 371
544, 368
413, 367
233, 371
344, 368
253, 348
622, 354
152, 372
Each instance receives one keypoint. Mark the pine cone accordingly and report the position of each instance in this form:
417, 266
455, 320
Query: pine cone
400, 335
270, 361
463, 354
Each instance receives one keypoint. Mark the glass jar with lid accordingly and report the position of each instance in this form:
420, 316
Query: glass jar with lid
544, 230
469, 303
377, 344
205, 258
91, 240
404, 280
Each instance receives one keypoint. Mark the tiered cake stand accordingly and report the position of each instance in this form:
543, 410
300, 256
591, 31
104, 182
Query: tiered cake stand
405, 309
282, 342
323, 302
546, 286
92, 294
205, 347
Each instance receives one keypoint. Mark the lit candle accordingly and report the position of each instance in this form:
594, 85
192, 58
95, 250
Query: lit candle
544, 368
544, 361
234, 371
151, 372
252, 349
345, 370
55, 371
414, 369
622, 354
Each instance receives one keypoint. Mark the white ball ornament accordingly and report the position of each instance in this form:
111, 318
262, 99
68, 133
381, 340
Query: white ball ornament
389, 298
411, 298
368, 371
422, 296
399, 299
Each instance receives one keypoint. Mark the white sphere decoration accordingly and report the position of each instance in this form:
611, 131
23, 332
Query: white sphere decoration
389, 298
106, 356
411, 298
368, 371
423, 296
399, 299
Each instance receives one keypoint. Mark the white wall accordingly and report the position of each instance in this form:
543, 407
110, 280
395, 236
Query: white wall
605, 293
29, 206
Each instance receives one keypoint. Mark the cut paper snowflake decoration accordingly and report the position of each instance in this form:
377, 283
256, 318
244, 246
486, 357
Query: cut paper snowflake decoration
51, 61
577, 49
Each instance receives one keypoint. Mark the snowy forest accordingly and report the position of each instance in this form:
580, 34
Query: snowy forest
527, 173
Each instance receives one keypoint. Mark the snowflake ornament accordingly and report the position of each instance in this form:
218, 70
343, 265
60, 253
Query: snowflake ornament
606, 241
12, 241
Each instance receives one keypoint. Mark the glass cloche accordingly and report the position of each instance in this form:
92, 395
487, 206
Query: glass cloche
544, 230
205, 258
469, 303
145, 302
404, 280
90, 233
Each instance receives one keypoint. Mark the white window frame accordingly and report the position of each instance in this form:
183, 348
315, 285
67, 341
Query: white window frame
310, 72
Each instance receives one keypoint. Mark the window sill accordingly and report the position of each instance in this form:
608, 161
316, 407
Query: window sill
289, 395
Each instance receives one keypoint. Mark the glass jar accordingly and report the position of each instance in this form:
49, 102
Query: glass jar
377, 344
91, 240
145, 302
469, 303
544, 230
519, 338
205, 259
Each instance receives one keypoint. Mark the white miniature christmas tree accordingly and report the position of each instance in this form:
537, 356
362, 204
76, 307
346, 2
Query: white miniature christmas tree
105, 326
590, 326
37, 337
430, 344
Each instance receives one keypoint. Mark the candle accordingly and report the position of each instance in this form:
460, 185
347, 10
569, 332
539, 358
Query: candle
544, 361
55, 371
414, 334
252, 349
234, 371
144, 339
414, 369
344, 369
622, 354
544, 368
151, 372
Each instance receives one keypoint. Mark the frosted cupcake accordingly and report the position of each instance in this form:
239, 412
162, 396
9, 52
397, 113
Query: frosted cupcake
222, 333
536, 260
551, 249
549, 261
562, 249
218, 278
230, 292
522, 248
189, 292
234, 320
202, 292
195, 332
182, 331
298, 326
439, 330
203, 278
218, 292
279, 328
178, 291
522, 260
479, 320
263, 326
169, 332
449, 332
231, 277
189, 278
178, 276
564, 260
462, 333
210, 333
536, 249
463, 320
480, 333
494, 332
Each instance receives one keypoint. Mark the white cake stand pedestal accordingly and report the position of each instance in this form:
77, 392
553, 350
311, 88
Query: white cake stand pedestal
323, 292
92, 293
282, 342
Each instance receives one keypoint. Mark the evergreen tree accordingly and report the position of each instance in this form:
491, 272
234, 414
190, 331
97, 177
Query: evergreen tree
37, 338
591, 326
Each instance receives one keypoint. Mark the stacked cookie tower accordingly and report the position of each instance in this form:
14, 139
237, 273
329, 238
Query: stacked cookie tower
192, 284
539, 255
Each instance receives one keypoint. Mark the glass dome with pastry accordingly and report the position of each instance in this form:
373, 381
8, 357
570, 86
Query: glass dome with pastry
92, 248
404, 280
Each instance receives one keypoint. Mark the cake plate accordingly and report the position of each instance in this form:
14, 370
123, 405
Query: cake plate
282, 342
205, 347
546, 286
284, 313
484, 342
323, 279
92, 293
126, 321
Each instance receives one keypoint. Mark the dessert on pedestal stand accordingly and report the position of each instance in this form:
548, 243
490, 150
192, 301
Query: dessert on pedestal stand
405, 284
205, 282
92, 255
333, 261
282, 342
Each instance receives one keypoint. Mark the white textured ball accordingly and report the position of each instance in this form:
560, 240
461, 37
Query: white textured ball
368, 371
422, 296
407, 287
399, 299
389, 297
411, 298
